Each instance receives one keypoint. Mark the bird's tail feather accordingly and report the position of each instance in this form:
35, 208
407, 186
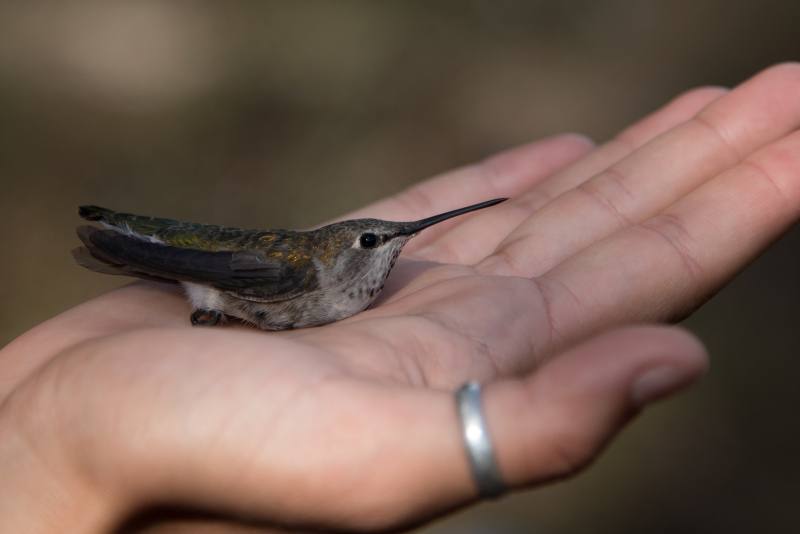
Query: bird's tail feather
94, 213
96, 259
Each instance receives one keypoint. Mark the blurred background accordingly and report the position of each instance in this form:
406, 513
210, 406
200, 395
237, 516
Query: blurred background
284, 114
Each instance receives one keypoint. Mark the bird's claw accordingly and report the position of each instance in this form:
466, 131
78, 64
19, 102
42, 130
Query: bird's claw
205, 317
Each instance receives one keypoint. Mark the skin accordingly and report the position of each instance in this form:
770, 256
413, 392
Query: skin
119, 405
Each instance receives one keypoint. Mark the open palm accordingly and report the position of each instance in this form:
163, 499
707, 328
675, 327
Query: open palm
352, 425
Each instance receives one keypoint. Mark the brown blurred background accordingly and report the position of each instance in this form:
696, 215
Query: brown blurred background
265, 114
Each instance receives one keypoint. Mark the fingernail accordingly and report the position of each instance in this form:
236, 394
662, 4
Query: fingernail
660, 382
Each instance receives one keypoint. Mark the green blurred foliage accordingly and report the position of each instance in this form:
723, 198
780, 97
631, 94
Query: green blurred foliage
283, 114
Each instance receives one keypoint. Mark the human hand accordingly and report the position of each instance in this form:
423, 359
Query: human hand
118, 404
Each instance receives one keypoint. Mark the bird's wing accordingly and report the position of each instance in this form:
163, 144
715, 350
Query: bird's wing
169, 231
128, 223
248, 274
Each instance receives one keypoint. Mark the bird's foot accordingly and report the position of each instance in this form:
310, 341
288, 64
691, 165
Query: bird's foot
205, 317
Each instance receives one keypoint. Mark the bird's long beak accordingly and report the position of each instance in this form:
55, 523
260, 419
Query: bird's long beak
416, 226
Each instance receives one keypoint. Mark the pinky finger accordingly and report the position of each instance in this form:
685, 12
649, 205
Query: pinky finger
507, 174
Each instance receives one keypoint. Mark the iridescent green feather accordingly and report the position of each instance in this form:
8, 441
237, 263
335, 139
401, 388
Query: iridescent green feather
185, 234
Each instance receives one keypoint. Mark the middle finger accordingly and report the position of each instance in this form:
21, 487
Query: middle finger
756, 113
471, 239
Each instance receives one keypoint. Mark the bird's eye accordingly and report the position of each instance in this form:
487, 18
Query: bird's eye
368, 240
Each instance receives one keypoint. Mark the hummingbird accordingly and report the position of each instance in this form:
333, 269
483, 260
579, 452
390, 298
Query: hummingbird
273, 279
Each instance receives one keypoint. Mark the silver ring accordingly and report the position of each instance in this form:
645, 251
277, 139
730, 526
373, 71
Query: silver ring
478, 445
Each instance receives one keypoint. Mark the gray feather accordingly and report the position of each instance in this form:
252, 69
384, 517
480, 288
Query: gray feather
246, 272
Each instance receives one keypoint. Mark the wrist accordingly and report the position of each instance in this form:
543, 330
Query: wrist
41, 490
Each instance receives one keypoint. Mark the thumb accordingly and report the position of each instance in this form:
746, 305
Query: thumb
557, 420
